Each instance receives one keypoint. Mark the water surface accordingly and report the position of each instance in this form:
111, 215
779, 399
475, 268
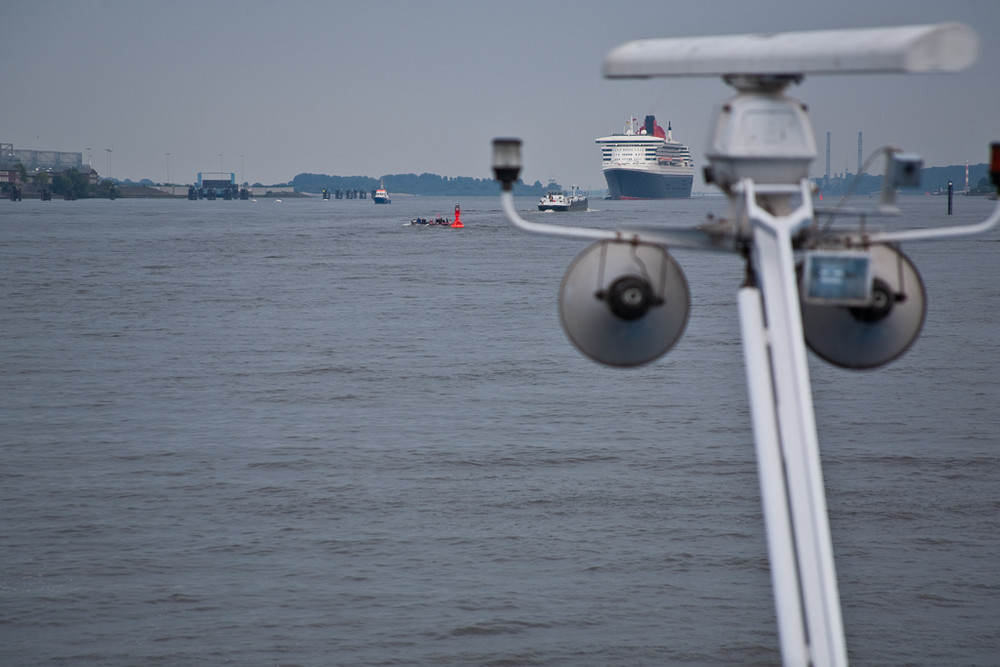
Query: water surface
304, 433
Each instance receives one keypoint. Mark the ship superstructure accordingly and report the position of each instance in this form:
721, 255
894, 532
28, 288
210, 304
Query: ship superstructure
644, 162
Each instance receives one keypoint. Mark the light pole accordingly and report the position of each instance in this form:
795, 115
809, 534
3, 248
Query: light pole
109, 151
168, 168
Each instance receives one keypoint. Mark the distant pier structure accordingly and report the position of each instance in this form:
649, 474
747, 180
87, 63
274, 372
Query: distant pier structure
217, 185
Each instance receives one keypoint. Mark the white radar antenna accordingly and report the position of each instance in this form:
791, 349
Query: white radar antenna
849, 295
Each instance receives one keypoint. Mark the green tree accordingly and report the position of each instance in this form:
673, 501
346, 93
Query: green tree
71, 183
106, 189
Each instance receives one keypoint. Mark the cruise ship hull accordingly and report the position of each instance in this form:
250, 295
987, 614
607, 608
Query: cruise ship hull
640, 184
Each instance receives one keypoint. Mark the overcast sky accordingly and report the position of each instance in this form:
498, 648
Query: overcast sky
272, 89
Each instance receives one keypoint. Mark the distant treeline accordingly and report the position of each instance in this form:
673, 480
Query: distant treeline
424, 184
931, 179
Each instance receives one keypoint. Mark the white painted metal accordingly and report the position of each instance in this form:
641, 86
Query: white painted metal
676, 237
799, 467
944, 47
510, 211
938, 232
773, 485
765, 136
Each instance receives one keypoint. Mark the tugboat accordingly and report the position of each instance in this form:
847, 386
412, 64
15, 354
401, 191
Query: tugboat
556, 200
381, 196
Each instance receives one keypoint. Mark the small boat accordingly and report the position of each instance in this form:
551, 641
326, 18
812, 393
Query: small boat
555, 200
381, 195
432, 222
441, 221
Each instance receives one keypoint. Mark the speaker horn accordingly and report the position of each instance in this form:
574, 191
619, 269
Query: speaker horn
870, 335
624, 304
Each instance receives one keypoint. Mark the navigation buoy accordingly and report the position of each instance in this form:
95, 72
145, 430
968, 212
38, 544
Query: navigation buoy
458, 217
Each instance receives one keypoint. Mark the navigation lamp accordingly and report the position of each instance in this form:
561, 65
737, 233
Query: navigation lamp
507, 161
872, 334
995, 163
623, 303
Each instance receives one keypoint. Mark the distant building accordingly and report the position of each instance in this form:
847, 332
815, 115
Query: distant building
10, 175
35, 160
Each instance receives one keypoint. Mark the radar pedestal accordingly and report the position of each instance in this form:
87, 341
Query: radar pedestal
853, 297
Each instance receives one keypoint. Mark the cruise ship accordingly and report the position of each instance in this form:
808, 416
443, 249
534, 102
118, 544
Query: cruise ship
645, 162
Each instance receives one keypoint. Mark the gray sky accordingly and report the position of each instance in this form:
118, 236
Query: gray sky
380, 87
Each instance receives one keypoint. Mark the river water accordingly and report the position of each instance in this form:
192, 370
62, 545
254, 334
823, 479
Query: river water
304, 433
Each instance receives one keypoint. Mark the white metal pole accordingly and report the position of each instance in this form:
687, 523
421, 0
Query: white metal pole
790, 461
773, 487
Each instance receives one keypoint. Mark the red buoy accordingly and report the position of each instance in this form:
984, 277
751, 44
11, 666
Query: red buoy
995, 163
458, 217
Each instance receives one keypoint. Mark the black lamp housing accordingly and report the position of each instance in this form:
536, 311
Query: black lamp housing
507, 161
